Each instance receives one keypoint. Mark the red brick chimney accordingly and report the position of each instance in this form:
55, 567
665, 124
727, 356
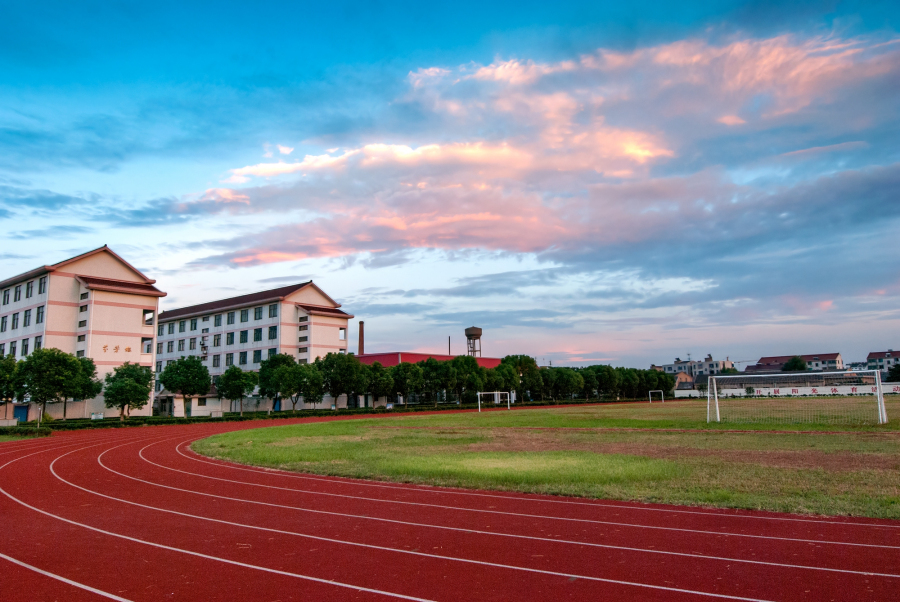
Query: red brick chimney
362, 337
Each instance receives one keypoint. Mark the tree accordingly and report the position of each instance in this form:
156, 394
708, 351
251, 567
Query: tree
187, 376
894, 374
408, 379
607, 381
529, 375
795, 364
87, 385
339, 371
10, 381
590, 382
729, 371
128, 386
315, 385
469, 378
267, 370
381, 384
48, 375
237, 384
288, 380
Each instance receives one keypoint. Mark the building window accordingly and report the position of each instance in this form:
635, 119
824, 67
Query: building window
17, 293
12, 348
244, 334
38, 341
229, 338
242, 358
273, 310
160, 330
273, 351
231, 317
181, 325
3, 324
245, 315
216, 359
342, 351
257, 313
303, 349
205, 319
79, 353
303, 318
273, 332
29, 289
158, 348
217, 320
201, 401
42, 285
302, 360
257, 356
39, 315
82, 324
81, 338
171, 328
24, 347
217, 340
181, 345
192, 345
193, 323
82, 309
6, 297
257, 334
2, 349
229, 359
158, 367
302, 328
15, 321
26, 318
303, 339
83, 296
170, 346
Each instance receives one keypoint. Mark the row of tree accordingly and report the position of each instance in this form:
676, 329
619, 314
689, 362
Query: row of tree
53, 376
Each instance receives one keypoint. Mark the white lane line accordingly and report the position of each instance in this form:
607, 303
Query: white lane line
448, 491
182, 551
525, 515
373, 547
477, 531
93, 590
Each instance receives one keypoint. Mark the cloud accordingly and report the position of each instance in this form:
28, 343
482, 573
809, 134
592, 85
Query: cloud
285, 150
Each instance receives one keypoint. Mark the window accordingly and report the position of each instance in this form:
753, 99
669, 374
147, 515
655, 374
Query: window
217, 340
38, 341
3, 324
29, 289
303, 339
273, 351
159, 366
303, 318
158, 348
302, 360
273, 310
82, 324
257, 334
229, 338
81, 338
79, 353
12, 348
2, 349
26, 318
303, 349
82, 309
6, 297
181, 325
245, 315
39, 315
257, 313
273, 332
15, 321
181, 345
160, 330
244, 334
257, 356
342, 334
201, 401
171, 328
231, 317
229, 359
170, 346
217, 320
205, 319
42, 285
302, 328
17, 293
342, 351
216, 360
192, 345
193, 323
83, 296
242, 358
24, 347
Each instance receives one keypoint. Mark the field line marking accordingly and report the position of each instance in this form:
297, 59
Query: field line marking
93, 590
521, 514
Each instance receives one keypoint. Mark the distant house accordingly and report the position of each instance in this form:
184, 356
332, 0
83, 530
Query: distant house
684, 381
882, 360
817, 363
694, 367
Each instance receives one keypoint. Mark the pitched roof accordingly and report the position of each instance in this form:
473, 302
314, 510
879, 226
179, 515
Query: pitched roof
52, 268
318, 310
783, 359
875, 355
120, 286
275, 294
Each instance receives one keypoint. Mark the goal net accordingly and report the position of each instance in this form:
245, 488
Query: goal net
797, 397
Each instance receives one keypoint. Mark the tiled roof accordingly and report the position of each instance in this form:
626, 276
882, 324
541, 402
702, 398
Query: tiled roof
120, 286
783, 359
875, 355
275, 294
323, 311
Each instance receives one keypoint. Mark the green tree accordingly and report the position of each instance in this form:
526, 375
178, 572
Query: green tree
128, 386
237, 384
187, 376
10, 381
795, 364
288, 380
431, 377
381, 384
469, 378
529, 375
607, 381
408, 380
730, 371
339, 371
87, 385
48, 375
590, 382
894, 374
267, 370
315, 385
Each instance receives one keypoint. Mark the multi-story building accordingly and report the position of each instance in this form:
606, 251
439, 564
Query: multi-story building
93, 305
883, 360
695, 367
298, 320
823, 362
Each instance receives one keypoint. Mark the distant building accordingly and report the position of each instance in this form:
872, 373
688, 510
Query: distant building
695, 368
822, 362
882, 360
393, 358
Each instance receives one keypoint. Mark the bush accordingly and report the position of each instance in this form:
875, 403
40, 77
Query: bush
25, 431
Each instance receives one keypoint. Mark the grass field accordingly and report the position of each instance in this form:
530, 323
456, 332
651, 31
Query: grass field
10, 438
591, 452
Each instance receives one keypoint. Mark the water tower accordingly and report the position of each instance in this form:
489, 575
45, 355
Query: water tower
473, 341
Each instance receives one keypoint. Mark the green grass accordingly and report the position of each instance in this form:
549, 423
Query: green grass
546, 451
10, 438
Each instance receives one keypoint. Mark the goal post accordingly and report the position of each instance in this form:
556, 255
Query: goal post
662, 397
843, 397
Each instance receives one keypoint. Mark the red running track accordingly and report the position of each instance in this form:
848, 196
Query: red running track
135, 515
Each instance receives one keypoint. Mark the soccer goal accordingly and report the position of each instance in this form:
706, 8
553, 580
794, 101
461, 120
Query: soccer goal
797, 397
496, 397
662, 398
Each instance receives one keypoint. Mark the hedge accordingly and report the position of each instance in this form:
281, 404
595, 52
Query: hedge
25, 431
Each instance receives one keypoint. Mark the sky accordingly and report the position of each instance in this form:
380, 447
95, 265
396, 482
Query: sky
619, 183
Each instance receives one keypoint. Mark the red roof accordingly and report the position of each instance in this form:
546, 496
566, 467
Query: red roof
275, 294
783, 359
120, 286
395, 357
879, 355
318, 310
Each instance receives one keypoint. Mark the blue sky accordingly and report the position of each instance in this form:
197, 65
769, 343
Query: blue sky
587, 182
